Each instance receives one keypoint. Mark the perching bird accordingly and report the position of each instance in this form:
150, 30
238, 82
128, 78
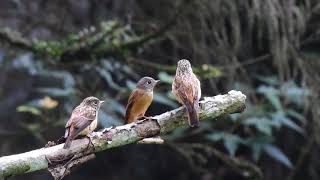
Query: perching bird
140, 99
187, 90
83, 120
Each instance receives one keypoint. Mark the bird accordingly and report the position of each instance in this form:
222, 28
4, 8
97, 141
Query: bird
140, 99
83, 120
187, 90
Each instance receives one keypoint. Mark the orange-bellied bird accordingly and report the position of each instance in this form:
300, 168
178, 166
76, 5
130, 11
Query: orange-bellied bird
140, 99
83, 120
187, 90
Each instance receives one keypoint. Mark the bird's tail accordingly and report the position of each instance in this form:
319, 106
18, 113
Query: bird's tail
192, 109
67, 144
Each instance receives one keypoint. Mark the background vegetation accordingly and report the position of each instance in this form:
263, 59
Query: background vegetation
54, 53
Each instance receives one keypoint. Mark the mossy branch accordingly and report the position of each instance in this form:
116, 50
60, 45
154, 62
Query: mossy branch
50, 157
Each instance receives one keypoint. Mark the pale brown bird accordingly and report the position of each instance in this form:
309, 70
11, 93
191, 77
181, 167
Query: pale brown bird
140, 99
187, 90
83, 120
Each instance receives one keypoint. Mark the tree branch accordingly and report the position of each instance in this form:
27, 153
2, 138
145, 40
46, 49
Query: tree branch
15, 38
211, 108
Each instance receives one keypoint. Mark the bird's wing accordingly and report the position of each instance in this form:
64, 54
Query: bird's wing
196, 88
80, 123
70, 121
76, 111
79, 120
197, 93
134, 96
186, 89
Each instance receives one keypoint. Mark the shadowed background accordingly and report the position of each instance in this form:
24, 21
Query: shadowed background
55, 53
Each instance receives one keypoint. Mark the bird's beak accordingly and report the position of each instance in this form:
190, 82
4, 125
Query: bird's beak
157, 81
101, 102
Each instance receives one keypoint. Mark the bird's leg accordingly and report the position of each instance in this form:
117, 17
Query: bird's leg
90, 144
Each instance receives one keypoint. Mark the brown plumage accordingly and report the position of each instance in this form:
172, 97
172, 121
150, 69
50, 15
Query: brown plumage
140, 99
187, 90
83, 119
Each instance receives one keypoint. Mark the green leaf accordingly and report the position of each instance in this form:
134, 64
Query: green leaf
29, 109
296, 115
272, 95
279, 116
230, 141
263, 124
292, 125
216, 136
278, 155
165, 78
256, 144
294, 93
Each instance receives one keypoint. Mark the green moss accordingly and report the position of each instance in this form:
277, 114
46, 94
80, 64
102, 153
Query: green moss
14, 170
53, 48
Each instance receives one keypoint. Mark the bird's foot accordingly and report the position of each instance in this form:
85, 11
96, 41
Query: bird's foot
145, 118
62, 139
141, 119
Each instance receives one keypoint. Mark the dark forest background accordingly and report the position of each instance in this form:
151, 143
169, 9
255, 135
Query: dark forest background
55, 53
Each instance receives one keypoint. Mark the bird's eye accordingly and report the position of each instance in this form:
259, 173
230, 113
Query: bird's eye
149, 82
95, 102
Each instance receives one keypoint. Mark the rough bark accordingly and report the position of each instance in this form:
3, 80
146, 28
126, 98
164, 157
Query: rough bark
211, 108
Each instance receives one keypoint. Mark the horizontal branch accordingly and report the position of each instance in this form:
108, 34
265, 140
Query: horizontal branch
211, 108
15, 38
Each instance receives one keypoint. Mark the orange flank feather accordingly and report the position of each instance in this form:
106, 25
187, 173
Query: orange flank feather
138, 103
